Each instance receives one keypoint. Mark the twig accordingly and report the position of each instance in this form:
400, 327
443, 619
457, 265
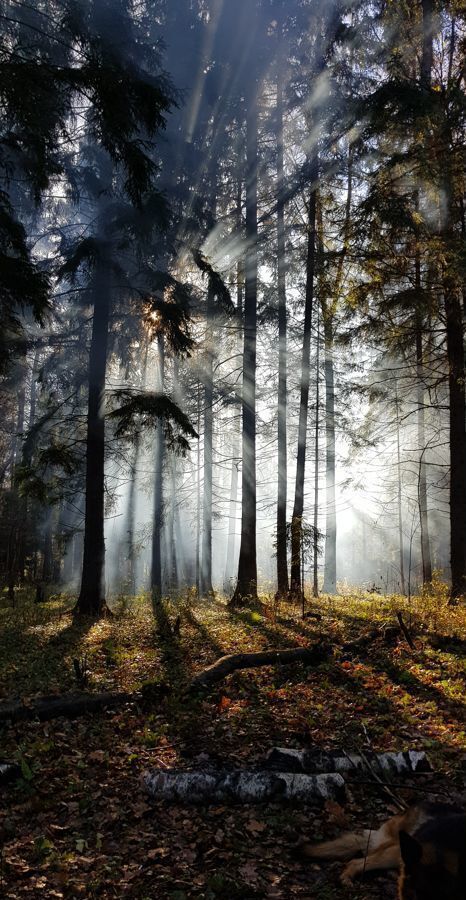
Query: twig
399, 803
405, 631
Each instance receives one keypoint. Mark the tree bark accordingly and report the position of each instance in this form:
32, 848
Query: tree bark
298, 507
427, 58
400, 505
131, 517
315, 558
282, 560
156, 566
198, 494
206, 565
68, 705
456, 370
422, 478
246, 587
330, 571
329, 307
426, 84
233, 661
231, 542
243, 786
318, 761
91, 600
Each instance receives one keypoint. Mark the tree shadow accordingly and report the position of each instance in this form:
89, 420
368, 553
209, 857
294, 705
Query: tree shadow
204, 633
415, 687
41, 656
168, 641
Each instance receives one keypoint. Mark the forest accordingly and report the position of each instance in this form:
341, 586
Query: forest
232, 439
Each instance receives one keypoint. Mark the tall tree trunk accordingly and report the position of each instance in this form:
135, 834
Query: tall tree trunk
298, 507
58, 556
282, 561
452, 290
235, 449
206, 568
456, 375
427, 57
400, 504
246, 588
156, 565
174, 541
198, 494
330, 571
16, 441
172, 559
426, 84
131, 574
91, 600
131, 517
315, 586
329, 306
47, 560
421, 438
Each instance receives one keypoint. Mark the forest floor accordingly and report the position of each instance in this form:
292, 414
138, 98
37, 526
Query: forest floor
78, 823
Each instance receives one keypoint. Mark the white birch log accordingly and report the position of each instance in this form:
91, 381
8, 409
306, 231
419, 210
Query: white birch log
384, 764
246, 787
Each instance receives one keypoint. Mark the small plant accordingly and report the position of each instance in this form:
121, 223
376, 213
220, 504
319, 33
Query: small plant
81, 671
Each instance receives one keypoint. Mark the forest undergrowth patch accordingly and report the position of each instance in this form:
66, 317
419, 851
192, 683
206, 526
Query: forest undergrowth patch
78, 824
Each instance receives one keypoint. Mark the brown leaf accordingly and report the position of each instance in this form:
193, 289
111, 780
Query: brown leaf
97, 756
255, 827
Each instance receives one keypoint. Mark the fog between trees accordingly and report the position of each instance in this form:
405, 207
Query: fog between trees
233, 283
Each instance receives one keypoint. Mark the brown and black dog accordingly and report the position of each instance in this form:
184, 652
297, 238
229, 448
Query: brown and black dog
427, 843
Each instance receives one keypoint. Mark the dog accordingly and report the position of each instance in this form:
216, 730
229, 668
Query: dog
427, 844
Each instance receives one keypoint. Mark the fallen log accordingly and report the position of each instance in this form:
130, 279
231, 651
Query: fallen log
234, 661
68, 705
246, 787
314, 761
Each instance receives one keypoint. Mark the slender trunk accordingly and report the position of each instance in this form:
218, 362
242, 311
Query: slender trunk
198, 493
172, 558
330, 571
456, 378
33, 390
47, 561
282, 562
180, 554
26, 533
206, 570
427, 45
422, 476
232, 515
57, 556
231, 542
329, 306
315, 587
246, 588
131, 516
298, 508
174, 543
426, 84
455, 351
16, 442
131, 576
400, 507
91, 599
156, 566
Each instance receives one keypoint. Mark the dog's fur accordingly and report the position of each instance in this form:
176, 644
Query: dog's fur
427, 843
